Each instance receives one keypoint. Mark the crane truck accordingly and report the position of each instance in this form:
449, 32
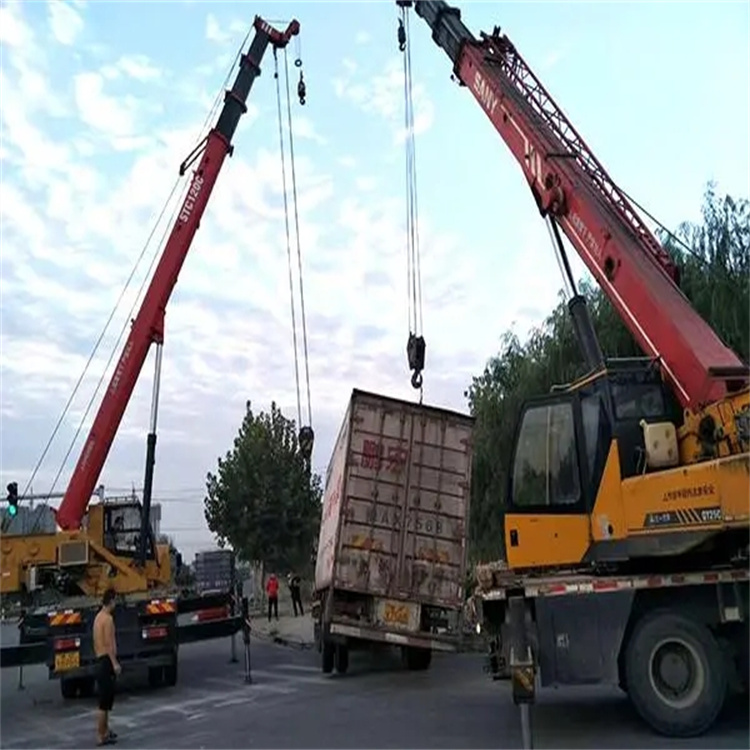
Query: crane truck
111, 545
627, 510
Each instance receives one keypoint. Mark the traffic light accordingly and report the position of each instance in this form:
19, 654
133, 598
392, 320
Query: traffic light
12, 499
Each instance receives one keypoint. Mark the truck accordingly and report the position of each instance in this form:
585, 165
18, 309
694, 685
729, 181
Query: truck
214, 571
391, 554
62, 575
627, 512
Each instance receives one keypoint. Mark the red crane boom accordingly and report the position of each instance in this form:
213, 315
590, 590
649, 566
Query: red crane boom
568, 182
148, 326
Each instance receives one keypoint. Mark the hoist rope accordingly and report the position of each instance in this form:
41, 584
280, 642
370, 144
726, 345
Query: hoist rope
297, 233
414, 278
288, 235
118, 303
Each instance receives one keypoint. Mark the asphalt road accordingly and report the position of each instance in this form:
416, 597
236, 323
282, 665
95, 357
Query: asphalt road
292, 705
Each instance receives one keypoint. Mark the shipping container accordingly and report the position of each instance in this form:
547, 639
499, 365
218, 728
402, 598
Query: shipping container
392, 544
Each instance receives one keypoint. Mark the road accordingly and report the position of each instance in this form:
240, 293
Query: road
292, 705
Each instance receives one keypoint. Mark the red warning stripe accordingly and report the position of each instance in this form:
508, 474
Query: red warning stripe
67, 617
602, 585
161, 606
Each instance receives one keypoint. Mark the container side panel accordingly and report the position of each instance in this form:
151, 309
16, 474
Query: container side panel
332, 496
376, 486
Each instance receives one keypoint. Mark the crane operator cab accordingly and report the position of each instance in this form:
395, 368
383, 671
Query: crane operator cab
573, 448
121, 523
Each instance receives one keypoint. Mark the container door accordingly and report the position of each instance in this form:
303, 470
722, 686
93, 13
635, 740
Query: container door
431, 555
371, 531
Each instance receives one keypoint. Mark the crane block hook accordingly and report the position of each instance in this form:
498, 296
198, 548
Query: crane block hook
415, 353
306, 440
401, 35
301, 88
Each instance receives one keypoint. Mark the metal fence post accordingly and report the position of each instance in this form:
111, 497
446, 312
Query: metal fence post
246, 639
21, 641
233, 610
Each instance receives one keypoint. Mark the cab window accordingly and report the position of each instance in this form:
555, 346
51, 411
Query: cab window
545, 469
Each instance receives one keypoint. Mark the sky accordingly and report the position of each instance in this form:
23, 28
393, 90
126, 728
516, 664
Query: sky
101, 101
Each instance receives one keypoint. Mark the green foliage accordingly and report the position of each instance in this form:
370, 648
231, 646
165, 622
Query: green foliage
715, 276
263, 500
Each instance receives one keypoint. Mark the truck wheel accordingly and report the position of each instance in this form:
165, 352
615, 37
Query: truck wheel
155, 676
69, 688
675, 674
342, 658
327, 657
170, 672
87, 687
417, 659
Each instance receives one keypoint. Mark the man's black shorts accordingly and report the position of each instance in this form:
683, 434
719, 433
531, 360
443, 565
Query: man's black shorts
105, 679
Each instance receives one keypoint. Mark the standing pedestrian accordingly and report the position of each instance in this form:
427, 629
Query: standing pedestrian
272, 591
105, 650
295, 588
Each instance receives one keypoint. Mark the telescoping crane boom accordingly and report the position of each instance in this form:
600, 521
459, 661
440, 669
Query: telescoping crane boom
148, 325
646, 458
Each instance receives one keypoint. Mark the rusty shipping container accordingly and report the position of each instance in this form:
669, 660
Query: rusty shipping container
392, 545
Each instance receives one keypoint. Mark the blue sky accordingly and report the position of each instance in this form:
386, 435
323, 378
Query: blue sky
100, 102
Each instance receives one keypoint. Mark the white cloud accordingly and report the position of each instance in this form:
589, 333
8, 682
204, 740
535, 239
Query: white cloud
13, 31
382, 95
138, 67
111, 116
223, 33
65, 23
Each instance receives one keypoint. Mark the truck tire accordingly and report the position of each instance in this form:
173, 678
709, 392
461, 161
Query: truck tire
675, 674
69, 688
342, 658
155, 676
328, 654
170, 672
87, 686
417, 659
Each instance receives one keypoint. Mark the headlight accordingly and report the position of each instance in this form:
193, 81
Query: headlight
479, 628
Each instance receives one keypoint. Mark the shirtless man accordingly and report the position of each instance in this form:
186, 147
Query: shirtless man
105, 649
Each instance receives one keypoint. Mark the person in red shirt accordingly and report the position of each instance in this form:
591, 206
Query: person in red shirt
272, 591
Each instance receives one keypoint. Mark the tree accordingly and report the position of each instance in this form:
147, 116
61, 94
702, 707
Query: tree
714, 262
263, 499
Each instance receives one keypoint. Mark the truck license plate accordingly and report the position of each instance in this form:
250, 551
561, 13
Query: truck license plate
67, 660
402, 615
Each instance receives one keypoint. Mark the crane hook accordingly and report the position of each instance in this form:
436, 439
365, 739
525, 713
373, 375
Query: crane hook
401, 36
306, 440
415, 353
301, 89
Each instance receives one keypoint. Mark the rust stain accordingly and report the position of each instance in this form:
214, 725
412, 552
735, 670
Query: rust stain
429, 554
364, 542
